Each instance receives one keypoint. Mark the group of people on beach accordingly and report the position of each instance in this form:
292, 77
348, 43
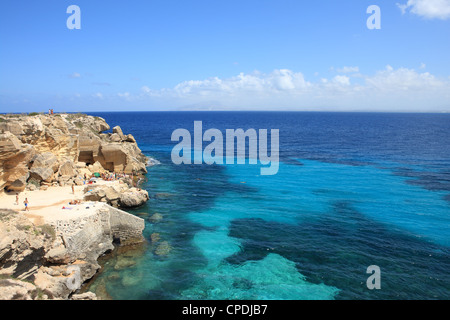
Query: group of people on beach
104, 176
116, 176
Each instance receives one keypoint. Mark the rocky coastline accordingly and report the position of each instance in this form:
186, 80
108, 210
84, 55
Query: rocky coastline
38, 151
52, 258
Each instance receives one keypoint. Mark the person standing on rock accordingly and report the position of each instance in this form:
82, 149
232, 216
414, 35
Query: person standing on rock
26, 204
17, 199
73, 188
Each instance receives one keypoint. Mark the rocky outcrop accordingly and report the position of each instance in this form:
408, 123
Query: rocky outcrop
17, 290
118, 195
61, 148
56, 259
14, 161
133, 198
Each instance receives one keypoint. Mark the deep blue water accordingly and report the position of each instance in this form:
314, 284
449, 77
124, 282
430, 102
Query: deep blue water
353, 190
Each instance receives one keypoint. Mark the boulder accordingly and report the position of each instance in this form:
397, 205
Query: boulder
84, 296
130, 138
115, 138
41, 174
96, 167
133, 198
58, 255
17, 290
111, 194
55, 285
94, 194
46, 160
67, 169
117, 130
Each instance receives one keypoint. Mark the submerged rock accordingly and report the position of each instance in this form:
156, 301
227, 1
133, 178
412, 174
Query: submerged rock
124, 263
163, 249
131, 279
155, 218
155, 237
163, 195
142, 214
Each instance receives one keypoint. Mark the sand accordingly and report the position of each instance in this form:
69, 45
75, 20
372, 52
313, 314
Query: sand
47, 206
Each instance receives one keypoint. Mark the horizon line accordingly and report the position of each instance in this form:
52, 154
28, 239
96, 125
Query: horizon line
287, 111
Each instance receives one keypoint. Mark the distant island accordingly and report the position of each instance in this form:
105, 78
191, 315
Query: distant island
63, 183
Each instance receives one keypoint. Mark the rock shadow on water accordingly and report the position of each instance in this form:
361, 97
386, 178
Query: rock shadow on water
447, 198
337, 249
430, 180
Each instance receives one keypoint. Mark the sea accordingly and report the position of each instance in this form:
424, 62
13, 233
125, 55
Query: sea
353, 191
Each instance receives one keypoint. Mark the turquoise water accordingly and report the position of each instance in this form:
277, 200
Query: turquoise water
309, 232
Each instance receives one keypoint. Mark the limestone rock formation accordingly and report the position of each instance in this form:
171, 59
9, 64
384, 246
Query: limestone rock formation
84, 296
133, 198
116, 195
40, 149
17, 290
53, 261
14, 160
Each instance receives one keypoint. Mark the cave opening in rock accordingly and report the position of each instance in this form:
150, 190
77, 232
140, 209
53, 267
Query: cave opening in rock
86, 157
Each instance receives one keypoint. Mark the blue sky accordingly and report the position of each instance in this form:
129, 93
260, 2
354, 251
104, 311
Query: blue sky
225, 55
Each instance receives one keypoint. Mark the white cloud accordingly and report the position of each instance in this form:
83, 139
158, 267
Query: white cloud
429, 9
389, 89
278, 81
74, 75
348, 70
98, 95
342, 80
124, 95
403, 79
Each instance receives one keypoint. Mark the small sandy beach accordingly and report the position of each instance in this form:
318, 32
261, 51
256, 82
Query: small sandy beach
46, 206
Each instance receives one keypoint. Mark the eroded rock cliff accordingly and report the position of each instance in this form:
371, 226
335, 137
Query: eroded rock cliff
53, 261
62, 148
